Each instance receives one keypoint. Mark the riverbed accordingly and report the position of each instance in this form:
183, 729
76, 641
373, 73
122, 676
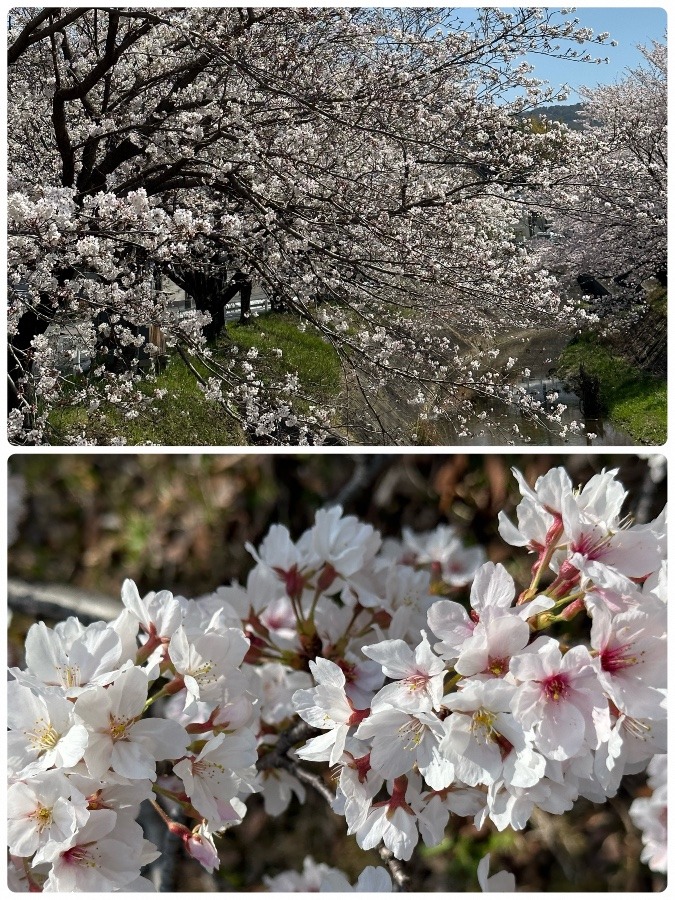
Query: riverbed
506, 424
539, 353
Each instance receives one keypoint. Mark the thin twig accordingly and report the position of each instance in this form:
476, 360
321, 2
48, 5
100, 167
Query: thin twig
399, 878
277, 758
314, 781
300, 731
366, 469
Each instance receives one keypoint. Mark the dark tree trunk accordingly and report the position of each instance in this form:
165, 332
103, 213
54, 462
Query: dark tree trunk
32, 323
589, 394
212, 293
661, 276
245, 290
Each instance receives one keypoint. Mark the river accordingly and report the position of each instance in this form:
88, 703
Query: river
539, 354
504, 423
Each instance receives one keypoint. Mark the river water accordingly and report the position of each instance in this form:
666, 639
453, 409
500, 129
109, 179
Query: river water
538, 354
540, 386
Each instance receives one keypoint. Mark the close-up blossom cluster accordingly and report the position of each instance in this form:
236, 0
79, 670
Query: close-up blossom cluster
410, 682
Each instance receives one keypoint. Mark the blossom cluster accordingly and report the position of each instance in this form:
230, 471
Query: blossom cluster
496, 717
357, 652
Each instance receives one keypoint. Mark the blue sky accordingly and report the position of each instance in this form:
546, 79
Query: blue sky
629, 26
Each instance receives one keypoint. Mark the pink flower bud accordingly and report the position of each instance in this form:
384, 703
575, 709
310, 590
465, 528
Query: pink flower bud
200, 846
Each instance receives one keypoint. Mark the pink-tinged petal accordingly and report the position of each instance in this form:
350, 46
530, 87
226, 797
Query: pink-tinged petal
371, 832
132, 601
528, 666
128, 693
72, 746
450, 622
474, 655
526, 704
98, 650
401, 836
327, 672
439, 771
319, 748
492, 586
634, 552
426, 660
339, 747
539, 604
202, 848
99, 824
576, 660
497, 883
98, 754
435, 691
45, 654
507, 635
401, 696
23, 707
304, 702
93, 707
183, 770
509, 533
163, 738
179, 650
391, 758
166, 613
603, 496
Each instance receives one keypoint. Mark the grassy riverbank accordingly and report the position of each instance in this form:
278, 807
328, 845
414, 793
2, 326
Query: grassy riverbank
184, 417
632, 399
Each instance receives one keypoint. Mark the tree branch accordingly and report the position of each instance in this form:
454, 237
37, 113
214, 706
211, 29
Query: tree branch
366, 470
58, 601
399, 878
31, 35
277, 758
298, 732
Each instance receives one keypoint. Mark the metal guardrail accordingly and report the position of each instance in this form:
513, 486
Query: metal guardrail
72, 356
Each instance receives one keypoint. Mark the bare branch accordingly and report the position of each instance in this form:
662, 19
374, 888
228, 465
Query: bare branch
366, 469
298, 732
31, 33
58, 601
398, 876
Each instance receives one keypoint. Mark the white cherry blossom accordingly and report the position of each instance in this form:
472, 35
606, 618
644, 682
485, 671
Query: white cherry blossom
118, 738
418, 675
559, 697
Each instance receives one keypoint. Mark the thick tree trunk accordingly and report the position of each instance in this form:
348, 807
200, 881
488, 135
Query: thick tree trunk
32, 323
212, 293
246, 287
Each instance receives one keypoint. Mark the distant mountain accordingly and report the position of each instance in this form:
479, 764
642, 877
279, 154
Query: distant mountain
570, 114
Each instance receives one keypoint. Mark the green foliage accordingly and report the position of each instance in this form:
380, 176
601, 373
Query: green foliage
658, 300
460, 854
634, 400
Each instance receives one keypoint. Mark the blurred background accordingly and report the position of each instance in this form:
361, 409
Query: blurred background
83, 523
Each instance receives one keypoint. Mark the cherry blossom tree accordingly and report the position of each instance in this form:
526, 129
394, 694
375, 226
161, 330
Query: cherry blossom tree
612, 203
363, 165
